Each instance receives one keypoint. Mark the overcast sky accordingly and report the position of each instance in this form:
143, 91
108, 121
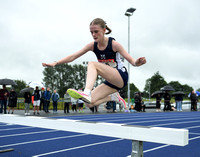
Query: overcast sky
166, 32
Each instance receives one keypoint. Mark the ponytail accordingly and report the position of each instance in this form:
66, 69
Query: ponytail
102, 23
108, 29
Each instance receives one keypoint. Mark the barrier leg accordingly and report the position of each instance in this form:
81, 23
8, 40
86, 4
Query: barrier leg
137, 149
6, 150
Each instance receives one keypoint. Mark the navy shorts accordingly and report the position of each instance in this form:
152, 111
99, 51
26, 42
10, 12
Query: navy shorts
124, 74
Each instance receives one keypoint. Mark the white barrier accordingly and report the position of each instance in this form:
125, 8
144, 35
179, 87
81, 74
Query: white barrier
138, 134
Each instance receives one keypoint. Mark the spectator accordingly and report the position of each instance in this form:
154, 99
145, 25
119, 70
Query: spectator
132, 101
111, 106
94, 109
12, 101
158, 99
74, 102
37, 96
194, 100
67, 100
3, 99
55, 97
132, 109
80, 105
138, 102
42, 100
114, 106
167, 105
47, 97
179, 99
143, 106
27, 97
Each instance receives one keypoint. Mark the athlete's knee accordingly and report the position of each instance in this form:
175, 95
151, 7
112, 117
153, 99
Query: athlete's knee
91, 63
92, 103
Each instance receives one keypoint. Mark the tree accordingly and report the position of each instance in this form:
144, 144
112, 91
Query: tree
198, 89
153, 84
20, 85
186, 89
179, 87
124, 91
64, 76
176, 85
59, 77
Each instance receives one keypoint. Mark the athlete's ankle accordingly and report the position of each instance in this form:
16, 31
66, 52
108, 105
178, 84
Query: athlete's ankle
87, 91
113, 96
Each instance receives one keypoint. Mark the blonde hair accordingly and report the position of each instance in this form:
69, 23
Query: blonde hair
102, 23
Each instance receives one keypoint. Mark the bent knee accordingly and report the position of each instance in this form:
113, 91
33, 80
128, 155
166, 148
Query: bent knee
91, 63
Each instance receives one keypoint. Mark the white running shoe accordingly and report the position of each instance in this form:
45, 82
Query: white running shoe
118, 99
79, 95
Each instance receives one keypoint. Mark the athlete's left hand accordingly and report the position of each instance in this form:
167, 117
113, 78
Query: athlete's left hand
140, 61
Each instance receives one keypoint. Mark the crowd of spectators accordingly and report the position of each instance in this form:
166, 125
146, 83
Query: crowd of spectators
41, 101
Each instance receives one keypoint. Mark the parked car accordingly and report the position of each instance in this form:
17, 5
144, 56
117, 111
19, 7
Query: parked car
150, 104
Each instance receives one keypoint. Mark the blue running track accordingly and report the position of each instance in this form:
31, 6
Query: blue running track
39, 142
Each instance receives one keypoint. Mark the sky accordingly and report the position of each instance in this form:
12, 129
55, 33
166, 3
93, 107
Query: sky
166, 32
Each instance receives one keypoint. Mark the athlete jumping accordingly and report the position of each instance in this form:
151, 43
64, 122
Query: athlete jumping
109, 66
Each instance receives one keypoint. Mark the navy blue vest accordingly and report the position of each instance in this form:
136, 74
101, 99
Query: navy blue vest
106, 55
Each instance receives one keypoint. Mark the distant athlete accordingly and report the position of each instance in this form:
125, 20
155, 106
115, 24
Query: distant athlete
109, 66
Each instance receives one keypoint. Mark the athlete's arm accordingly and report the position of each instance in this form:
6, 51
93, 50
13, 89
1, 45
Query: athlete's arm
119, 48
72, 57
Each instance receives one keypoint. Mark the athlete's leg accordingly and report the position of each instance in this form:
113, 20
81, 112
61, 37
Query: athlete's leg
108, 73
104, 93
101, 94
112, 75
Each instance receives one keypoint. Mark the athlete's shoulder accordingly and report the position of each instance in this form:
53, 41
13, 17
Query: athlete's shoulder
90, 46
116, 45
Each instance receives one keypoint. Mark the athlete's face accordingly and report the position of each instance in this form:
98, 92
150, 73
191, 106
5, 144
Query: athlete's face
97, 32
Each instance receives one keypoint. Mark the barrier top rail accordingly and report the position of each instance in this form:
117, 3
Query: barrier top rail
170, 136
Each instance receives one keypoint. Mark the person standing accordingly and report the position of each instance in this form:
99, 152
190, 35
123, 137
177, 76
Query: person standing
47, 97
158, 99
94, 109
194, 100
37, 96
12, 101
1, 100
74, 104
4, 94
178, 100
27, 101
42, 100
167, 99
55, 97
138, 102
67, 100
109, 66
80, 105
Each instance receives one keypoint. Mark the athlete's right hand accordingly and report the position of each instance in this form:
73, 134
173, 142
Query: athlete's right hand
49, 64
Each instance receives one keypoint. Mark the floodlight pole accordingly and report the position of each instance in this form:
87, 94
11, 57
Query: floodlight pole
149, 90
129, 12
85, 63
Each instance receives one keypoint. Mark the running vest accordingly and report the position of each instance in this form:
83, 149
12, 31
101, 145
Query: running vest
108, 56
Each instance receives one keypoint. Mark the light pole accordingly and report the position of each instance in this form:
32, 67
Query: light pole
149, 90
85, 66
129, 12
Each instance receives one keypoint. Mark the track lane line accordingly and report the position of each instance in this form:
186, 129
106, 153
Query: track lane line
79, 147
29, 133
44, 140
